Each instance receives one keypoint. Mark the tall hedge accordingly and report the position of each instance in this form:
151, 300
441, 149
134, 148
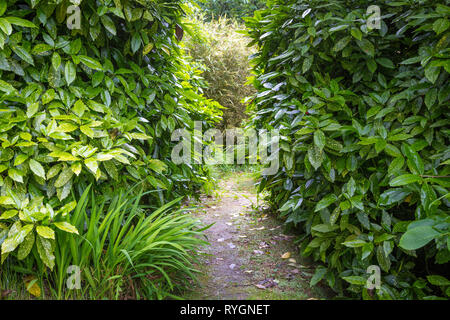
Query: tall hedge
364, 121
94, 105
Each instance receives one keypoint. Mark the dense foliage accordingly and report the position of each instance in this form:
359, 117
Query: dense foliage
364, 153
222, 51
230, 8
94, 105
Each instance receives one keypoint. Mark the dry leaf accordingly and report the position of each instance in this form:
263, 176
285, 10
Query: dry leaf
286, 255
31, 283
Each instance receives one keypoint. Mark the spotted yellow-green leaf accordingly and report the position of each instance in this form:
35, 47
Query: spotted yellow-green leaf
64, 177
37, 168
26, 246
66, 226
8, 214
16, 175
76, 168
45, 250
45, 232
32, 108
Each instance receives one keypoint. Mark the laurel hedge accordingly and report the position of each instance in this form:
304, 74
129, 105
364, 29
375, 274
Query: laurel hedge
89, 105
364, 154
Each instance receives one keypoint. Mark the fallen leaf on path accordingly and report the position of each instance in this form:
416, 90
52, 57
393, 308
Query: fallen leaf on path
286, 255
32, 286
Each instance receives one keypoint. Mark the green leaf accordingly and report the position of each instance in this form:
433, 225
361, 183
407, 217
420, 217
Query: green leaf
108, 24
90, 62
357, 280
318, 275
414, 161
8, 214
37, 168
356, 33
48, 96
315, 156
64, 177
21, 22
16, 175
32, 109
441, 25
7, 88
367, 47
325, 202
56, 60
404, 180
354, 243
385, 62
319, 139
70, 72
26, 246
416, 238
383, 259
23, 54
157, 165
5, 26
438, 280
3, 6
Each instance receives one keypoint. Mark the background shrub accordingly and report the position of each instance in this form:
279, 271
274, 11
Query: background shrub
235, 9
364, 121
223, 52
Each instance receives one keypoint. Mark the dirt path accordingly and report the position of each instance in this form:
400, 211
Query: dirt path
249, 257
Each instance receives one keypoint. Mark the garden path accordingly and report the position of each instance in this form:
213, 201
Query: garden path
250, 257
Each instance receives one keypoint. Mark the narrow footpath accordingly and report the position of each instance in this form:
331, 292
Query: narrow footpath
249, 257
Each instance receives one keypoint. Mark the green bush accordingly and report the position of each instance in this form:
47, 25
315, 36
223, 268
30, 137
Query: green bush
236, 9
94, 105
364, 152
222, 51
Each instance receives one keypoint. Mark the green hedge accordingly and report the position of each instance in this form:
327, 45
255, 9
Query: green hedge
364, 121
94, 105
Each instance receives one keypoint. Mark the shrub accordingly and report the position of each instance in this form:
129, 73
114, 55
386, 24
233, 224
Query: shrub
235, 9
364, 154
223, 52
89, 106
